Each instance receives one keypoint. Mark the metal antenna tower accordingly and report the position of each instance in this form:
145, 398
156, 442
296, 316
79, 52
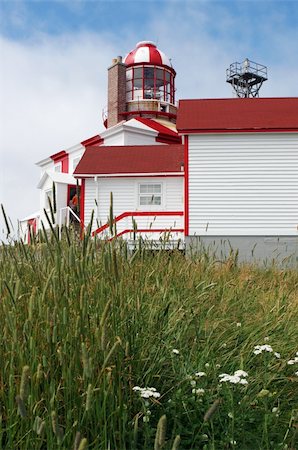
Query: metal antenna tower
246, 78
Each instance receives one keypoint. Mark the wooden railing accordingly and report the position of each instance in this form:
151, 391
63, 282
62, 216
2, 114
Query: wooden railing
141, 230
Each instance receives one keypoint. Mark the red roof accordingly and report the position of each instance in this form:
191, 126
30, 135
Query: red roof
238, 114
131, 159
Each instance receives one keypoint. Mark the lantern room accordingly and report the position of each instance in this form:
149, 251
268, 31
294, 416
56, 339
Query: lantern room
141, 85
150, 82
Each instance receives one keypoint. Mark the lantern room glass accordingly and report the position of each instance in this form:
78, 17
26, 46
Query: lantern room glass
144, 82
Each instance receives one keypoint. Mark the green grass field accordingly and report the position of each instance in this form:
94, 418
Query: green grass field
88, 328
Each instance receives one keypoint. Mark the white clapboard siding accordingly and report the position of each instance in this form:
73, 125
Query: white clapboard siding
126, 199
243, 184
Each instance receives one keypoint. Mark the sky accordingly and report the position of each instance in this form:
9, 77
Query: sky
55, 55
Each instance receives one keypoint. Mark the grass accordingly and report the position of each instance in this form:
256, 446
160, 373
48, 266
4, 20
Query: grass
85, 322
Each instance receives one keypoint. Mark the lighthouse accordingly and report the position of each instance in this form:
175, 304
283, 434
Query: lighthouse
141, 85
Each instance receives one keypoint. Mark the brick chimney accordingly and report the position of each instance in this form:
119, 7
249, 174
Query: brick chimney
116, 91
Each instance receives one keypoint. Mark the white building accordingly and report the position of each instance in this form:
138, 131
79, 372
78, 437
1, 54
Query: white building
228, 179
241, 176
138, 159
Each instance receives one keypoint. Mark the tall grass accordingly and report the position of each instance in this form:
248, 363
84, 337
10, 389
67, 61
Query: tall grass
84, 323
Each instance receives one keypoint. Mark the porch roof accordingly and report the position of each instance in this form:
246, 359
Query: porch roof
133, 159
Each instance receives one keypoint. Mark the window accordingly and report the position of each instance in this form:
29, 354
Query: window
150, 194
150, 82
48, 198
58, 167
75, 162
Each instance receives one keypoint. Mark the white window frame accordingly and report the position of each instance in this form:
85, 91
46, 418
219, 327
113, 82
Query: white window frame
58, 167
150, 194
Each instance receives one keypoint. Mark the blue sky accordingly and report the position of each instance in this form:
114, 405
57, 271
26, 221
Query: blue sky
54, 57
249, 22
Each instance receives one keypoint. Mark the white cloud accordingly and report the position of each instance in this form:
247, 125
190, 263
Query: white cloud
52, 94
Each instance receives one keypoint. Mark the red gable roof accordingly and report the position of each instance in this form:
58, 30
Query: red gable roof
131, 159
238, 114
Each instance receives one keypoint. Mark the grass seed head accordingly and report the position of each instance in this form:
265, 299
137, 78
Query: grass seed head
21, 406
77, 441
38, 426
212, 410
160, 437
176, 442
89, 397
57, 430
24, 383
83, 444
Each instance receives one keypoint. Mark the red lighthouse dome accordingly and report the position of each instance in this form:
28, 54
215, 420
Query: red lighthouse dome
147, 52
150, 83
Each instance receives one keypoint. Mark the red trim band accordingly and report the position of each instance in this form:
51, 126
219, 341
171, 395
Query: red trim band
240, 130
82, 204
63, 158
95, 140
186, 188
145, 175
153, 113
31, 225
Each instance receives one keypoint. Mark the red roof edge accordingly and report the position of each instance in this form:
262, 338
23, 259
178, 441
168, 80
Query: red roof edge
238, 130
156, 126
58, 156
95, 140
167, 139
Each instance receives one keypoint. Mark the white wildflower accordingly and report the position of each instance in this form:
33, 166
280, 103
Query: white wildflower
293, 361
230, 415
193, 383
274, 410
266, 338
238, 324
217, 366
198, 391
175, 351
146, 418
229, 378
296, 373
237, 378
241, 373
262, 348
233, 442
200, 374
277, 355
207, 365
147, 392
224, 345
